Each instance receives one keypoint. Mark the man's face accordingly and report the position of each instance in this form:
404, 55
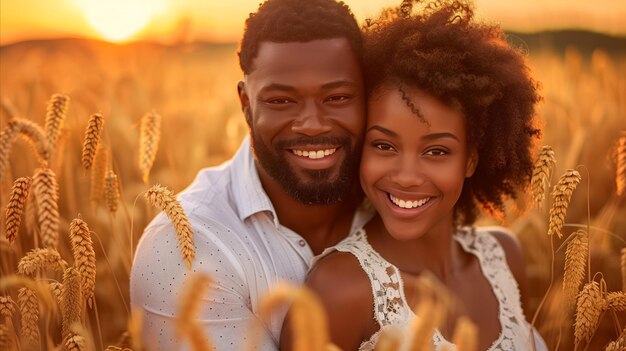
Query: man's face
305, 107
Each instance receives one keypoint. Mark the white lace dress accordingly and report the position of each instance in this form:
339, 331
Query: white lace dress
391, 307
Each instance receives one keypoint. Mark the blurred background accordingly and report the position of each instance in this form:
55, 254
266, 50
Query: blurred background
124, 58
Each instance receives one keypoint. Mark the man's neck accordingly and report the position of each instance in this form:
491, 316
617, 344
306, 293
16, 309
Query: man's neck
320, 225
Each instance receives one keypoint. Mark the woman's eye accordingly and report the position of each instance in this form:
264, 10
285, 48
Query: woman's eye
383, 146
436, 152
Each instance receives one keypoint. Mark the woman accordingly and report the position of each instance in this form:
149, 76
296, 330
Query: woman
450, 126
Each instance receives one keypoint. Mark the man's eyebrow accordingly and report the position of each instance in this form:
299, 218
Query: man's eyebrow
278, 86
383, 130
338, 84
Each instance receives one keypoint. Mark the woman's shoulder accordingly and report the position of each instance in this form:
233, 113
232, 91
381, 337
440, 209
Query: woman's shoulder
340, 275
345, 292
509, 243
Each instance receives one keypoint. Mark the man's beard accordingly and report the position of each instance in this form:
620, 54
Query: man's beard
319, 189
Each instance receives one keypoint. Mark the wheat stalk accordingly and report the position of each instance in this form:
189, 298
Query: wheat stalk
428, 315
71, 299
7, 307
117, 348
616, 301
619, 344
562, 193
163, 199
98, 173
307, 316
56, 289
186, 324
84, 257
47, 194
149, 142
8, 108
5, 338
33, 133
623, 268
55, 115
390, 339
15, 207
620, 170
589, 306
29, 309
92, 138
38, 259
111, 191
75, 343
465, 335
542, 172
575, 266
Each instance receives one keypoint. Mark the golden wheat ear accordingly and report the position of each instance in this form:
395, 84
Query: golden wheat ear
575, 267
111, 191
163, 199
186, 325
542, 172
84, 258
149, 142
620, 169
15, 207
47, 195
588, 309
55, 116
92, 139
562, 193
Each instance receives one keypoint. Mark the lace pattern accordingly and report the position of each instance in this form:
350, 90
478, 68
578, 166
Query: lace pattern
391, 306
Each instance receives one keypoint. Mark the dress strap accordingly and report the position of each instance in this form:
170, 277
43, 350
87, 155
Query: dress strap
387, 290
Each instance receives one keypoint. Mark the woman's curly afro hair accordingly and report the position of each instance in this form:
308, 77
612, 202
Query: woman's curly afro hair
439, 48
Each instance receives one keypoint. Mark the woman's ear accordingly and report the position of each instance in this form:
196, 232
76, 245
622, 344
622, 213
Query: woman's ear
472, 163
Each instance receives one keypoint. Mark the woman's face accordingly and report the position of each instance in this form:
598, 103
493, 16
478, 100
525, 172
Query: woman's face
413, 169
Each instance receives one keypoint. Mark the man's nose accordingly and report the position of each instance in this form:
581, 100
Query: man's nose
311, 121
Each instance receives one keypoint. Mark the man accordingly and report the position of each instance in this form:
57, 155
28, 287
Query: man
289, 192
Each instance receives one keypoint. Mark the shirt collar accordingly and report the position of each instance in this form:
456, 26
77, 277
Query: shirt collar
250, 197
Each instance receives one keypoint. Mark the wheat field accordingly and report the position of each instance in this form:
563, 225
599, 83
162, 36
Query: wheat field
89, 128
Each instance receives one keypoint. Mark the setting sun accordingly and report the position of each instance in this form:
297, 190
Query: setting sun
118, 20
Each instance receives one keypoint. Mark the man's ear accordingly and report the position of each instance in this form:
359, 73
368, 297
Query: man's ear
472, 163
244, 101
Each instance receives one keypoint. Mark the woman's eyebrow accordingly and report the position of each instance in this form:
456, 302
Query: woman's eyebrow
383, 130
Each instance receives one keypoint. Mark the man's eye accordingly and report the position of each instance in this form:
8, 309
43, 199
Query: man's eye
279, 101
338, 98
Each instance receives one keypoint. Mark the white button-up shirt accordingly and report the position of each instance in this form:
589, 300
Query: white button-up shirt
239, 242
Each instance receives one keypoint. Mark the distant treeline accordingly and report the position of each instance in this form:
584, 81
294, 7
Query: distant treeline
584, 41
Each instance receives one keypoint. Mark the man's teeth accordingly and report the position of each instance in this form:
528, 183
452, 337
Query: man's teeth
314, 154
407, 203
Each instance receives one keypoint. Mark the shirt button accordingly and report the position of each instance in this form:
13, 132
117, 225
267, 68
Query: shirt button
301, 243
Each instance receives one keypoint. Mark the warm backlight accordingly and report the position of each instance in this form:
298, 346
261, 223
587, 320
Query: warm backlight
118, 20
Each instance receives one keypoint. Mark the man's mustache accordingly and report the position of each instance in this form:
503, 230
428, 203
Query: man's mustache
314, 141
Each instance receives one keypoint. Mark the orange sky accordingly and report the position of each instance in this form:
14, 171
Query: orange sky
164, 20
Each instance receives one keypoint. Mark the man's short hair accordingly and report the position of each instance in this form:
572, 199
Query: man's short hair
284, 21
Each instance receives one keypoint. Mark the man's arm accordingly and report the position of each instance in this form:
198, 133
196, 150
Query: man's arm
158, 278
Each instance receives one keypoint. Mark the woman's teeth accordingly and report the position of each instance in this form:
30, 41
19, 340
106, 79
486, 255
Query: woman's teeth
314, 154
407, 203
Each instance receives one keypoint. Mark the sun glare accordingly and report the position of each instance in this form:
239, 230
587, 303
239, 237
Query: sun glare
118, 20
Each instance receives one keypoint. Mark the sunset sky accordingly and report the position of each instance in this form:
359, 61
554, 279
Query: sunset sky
168, 20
